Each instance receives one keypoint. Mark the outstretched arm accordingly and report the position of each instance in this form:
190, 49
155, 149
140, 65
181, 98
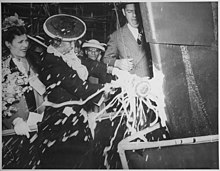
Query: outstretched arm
98, 70
111, 52
58, 73
112, 56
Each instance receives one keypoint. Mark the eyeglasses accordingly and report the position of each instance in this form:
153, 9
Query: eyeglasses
93, 50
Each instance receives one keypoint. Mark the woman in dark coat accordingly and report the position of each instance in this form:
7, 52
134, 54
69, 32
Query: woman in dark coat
64, 131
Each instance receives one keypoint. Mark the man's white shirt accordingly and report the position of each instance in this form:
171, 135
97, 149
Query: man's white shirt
134, 31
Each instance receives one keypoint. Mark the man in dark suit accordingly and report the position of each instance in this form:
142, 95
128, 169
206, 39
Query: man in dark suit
126, 49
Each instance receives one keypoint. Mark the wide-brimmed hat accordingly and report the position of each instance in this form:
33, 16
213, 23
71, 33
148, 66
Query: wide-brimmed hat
64, 26
95, 44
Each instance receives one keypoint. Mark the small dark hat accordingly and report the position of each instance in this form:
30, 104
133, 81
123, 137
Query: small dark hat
66, 27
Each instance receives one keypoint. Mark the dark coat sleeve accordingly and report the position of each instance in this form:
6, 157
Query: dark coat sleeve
57, 73
97, 69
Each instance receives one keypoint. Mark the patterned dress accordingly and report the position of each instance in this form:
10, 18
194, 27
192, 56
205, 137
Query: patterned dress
18, 99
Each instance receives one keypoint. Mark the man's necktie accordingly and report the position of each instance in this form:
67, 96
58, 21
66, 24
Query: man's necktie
139, 39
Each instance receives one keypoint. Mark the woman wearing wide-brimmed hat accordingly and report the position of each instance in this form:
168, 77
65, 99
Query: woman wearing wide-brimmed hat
65, 128
94, 49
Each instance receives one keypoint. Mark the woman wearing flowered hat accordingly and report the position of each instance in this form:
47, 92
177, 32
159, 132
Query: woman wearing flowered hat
19, 67
65, 75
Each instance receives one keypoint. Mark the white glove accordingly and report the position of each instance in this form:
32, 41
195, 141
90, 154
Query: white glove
21, 127
124, 64
120, 73
108, 89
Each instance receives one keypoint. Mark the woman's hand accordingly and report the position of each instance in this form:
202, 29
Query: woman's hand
120, 73
109, 89
21, 127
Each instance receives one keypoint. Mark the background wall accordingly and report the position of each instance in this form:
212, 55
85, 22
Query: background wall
183, 41
100, 18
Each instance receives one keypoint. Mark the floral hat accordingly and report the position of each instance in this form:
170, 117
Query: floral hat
12, 21
95, 44
64, 26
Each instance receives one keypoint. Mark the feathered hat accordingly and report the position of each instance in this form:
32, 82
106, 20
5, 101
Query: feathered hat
64, 26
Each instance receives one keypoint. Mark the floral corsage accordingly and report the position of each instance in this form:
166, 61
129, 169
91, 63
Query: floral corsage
13, 87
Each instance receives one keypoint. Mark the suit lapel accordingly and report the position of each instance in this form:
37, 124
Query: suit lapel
126, 41
128, 36
131, 46
12, 66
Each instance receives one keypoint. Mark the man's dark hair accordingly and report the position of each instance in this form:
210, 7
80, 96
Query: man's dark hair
137, 10
123, 4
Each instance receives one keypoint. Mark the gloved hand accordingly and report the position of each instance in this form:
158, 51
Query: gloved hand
120, 73
108, 89
21, 127
124, 64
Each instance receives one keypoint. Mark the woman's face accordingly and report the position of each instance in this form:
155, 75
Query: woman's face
66, 47
93, 53
19, 46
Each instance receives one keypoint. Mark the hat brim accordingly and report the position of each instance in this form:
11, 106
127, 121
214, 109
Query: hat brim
65, 26
87, 44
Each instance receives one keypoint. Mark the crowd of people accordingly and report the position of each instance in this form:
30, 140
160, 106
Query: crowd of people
59, 75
